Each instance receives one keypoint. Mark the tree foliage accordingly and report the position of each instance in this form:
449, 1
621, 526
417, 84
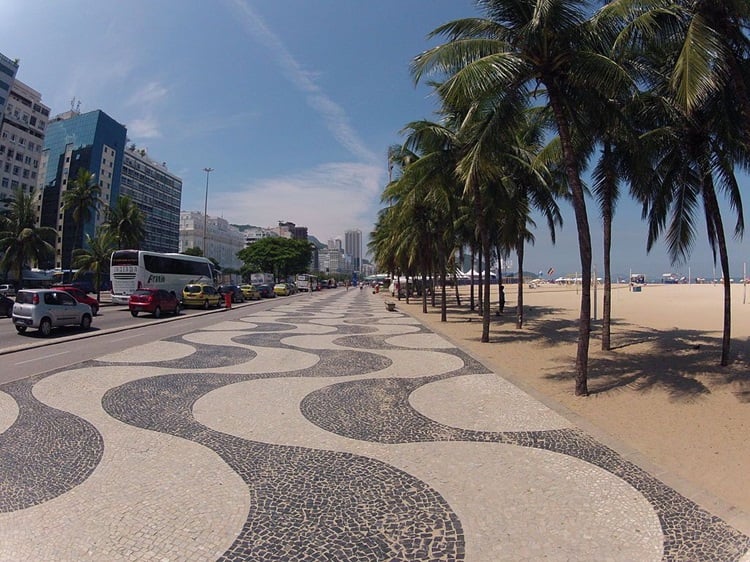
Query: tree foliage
281, 256
22, 242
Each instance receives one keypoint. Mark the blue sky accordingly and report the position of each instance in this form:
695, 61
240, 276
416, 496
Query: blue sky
292, 102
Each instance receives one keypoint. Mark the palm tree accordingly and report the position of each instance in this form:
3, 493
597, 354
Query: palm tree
95, 257
80, 200
695, 64
434, 175
22, 242
534, 47
127, 222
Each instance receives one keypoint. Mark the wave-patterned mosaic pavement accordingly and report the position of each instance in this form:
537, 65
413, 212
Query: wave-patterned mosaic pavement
324, 429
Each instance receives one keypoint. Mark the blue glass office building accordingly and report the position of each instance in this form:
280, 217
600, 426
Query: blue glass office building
93, 141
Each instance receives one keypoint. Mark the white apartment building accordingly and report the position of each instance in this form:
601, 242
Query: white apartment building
24, 122
255, 233
8, 70
332, 260
223, 240
158, 194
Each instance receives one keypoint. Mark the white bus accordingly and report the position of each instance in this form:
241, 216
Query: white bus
307, 282
131, 270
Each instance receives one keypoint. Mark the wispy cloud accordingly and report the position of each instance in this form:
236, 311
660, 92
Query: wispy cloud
144, 128
333, 114
149, 95
328, 199
202, 125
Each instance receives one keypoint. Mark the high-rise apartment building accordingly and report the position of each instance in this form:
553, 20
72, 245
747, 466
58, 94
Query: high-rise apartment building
8, 69
22, 128
353, 247
92, 141
158, 194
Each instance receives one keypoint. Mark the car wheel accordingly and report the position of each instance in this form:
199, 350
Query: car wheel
133, 313
45, 327
20, 329
157, 312
86, 322
176, 309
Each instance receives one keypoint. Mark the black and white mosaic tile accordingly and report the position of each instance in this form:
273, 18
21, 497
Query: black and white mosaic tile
372, 483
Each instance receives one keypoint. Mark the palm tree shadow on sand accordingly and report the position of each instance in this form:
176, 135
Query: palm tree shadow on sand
684, 362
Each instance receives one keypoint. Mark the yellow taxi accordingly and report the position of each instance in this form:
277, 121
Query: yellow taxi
250, 292
201, 295
281, 289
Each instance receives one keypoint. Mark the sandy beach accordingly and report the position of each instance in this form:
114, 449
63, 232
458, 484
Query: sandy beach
659, 396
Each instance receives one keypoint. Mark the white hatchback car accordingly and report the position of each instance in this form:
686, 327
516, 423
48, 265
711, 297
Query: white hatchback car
44, 309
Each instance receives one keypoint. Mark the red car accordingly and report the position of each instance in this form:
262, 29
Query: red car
154, 301
80, 296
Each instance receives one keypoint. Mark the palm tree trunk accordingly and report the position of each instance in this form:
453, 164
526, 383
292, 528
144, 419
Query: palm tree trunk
480, 285
519, 304
607, 235
471, 276
584, 239
443, 297
487, 283
714, 214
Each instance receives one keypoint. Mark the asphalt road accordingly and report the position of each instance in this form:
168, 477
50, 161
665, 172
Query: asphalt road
114, 329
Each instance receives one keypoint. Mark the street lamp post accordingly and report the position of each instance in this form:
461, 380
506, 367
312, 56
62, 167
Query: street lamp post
205, 213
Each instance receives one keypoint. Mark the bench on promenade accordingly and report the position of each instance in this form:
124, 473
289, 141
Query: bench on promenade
390, 306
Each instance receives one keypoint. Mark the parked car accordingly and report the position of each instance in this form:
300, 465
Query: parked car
200, 294
153, 301
266, 291
80, 296
7, 290
234, 290
44, 309
6, 306
281, 289
250, 292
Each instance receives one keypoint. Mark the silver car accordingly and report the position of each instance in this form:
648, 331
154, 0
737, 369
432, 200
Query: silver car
44, 309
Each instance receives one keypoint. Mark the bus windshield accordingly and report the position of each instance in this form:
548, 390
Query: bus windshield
137, 269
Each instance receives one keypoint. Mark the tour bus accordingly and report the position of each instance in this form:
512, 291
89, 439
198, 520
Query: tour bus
307, 282
131, 270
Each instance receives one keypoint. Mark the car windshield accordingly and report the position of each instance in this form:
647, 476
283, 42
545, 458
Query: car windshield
141, 293
193, 289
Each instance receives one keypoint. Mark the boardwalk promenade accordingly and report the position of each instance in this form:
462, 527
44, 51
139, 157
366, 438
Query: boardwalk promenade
323, 429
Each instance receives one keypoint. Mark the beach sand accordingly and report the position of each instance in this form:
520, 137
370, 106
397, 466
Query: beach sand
659, 396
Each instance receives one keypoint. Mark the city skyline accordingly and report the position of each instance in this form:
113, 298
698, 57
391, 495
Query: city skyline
294, 118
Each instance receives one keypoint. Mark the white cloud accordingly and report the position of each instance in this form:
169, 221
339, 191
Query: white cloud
144, 128
333, 114
328, 200
149, 95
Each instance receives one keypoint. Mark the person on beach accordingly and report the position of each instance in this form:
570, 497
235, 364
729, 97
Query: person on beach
502, 298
